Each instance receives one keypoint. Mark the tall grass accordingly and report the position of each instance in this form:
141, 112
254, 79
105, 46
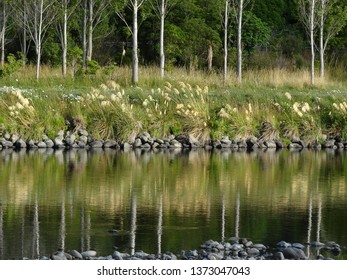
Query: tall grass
194, 103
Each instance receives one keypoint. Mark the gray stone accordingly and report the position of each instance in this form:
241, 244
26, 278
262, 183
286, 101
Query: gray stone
137, 143
270, 144
242, 144
146, 146
298, 245
76, 254
88, 254
294, 146
83, 138
58, 142
279, 144
126, 146
292, 253
31, 144
20, 144
97, 144
70, 139
278, 256
260, 247
226, 141
110, 144
328, 143
117, 256
41, 145
175, 144
317, 244
283, 244
82, 132
49, 143
252, 251
6, 144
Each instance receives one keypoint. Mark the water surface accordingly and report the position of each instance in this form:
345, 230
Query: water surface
167, 201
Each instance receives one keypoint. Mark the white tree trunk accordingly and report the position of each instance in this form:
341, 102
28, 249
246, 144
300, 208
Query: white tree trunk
39, 41
162, 27
226, 23
239, 43
90, 31
2, 33
84, 33
321, 39
312, 25
24, 43
135, 59
64, 41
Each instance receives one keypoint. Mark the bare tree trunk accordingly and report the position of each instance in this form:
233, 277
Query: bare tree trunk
38, 32
226, 20
312, 25
24, 43
239, 43
90, 31
64, 40
84, 34
135, 59
209, 58
2, 33
321, 39
162, 26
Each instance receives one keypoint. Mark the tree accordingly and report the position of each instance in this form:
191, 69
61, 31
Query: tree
239, 6
98, 12
4, 16
308, 15
66, 10
134, 5
332, 18
40, 14
162, 7
226, 38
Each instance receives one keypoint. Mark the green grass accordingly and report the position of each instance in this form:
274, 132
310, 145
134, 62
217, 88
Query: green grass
190, 103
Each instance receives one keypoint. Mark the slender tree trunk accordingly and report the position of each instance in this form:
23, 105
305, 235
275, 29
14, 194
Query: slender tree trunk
226, 23
39, 41
135, 59
84, 34
24, 44
210, 58
90, 31
162, 26
312, 19
64, 42
321, 39
2, 32
239, 43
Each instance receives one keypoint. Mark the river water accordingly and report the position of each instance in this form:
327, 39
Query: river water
168, 201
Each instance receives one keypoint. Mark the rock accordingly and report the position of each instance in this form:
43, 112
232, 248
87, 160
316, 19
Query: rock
298, 245
49, 143
58, 256
270, 144
59, 142
96, 144
137, 143
70, 139
110, 144
75, 254
41, 145
242, 144
175, 144
31, 144
279, 144
83, 138
146, 146
317, 244
294, 146
82, 132
283, 244
278, 256
292, 253
6, 144
328, 143
117, 256
20, 144
88, 254
126, 146
14, 138
260, 247
252, 251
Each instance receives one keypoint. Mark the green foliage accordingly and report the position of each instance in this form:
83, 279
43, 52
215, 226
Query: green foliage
13, 64
92, 67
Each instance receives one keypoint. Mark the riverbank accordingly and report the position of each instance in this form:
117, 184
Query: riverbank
176, 115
